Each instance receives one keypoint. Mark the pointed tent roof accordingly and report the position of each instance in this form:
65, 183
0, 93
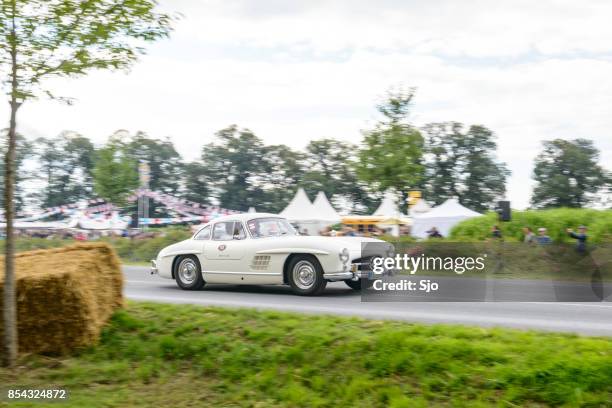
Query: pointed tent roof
388, 207
252, 210
420, 207
299, 208
449, 208
325, 211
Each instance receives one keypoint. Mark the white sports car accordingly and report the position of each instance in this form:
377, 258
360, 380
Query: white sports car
264, 249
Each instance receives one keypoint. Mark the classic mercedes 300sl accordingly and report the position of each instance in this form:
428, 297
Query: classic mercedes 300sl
264, 249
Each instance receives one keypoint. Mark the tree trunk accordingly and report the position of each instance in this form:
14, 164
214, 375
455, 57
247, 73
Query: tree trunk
9, 298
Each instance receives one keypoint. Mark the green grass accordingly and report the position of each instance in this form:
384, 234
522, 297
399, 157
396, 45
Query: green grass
168, 355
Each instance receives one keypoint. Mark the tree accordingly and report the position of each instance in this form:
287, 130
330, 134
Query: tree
196, 183
236, 166
392, 153
42, 39
115, 175
164, 161
331, 168
567, 174
282, 173
66, 163
463, 165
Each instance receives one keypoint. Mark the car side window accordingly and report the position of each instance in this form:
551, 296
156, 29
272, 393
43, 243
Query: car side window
229, 230
222, 231
203, 234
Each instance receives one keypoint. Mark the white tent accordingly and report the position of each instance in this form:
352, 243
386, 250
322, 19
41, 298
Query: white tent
299, 208
388, 207
444, 217
420, 207
325, 211
301, 212
252, 210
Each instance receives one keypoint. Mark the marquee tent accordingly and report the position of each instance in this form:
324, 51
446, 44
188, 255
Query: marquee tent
325, 211
389, 209
420, 207
444, 217
308, 217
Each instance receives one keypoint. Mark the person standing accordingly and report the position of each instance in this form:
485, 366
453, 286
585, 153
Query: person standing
434, 233
543, 238
580, 237
529, 236
496, 232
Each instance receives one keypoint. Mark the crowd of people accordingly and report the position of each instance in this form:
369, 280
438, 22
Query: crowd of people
542, 237
531, 238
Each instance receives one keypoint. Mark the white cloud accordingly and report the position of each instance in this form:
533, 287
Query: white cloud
295, 71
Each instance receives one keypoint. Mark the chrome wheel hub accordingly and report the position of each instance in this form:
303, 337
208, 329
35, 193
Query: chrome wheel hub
187, 271
304, 274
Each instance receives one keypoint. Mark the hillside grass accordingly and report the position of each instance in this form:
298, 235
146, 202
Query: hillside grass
179, 356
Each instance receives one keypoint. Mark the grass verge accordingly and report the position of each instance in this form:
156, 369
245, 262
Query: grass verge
169, 355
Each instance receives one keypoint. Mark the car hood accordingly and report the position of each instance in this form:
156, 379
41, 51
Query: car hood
329, 244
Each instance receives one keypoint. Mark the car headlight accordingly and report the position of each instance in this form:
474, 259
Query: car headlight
344, 256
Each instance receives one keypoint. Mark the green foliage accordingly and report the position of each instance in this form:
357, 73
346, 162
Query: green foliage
115, 175
242, 172
227, 357
598, 222
69, 38
463, 165
197, 183
164, 161
330, 167
567, 174
66, 165
392, 153
283, 172
234, 164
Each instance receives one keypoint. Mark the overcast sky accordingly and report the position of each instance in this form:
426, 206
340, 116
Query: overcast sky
292, 71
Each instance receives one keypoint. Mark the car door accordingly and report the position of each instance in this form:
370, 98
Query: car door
224, 253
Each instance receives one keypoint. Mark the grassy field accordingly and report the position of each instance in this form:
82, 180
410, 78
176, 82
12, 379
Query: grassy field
167, 355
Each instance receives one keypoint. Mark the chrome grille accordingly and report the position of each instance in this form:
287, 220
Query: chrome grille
260, 262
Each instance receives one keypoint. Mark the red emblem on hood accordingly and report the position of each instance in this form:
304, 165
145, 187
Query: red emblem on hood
221, 247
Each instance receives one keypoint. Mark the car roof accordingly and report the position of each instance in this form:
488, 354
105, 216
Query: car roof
243, 217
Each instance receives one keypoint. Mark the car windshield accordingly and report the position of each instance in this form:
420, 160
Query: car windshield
270, 227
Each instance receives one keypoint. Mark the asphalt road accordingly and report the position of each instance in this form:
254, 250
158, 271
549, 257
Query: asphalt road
591, 318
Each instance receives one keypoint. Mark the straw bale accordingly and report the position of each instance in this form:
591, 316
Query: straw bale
64, 296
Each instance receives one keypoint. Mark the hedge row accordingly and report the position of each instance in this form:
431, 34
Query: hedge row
598, 222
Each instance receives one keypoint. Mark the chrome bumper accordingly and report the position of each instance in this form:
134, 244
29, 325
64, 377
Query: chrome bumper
154, 270
338, 276
355, 273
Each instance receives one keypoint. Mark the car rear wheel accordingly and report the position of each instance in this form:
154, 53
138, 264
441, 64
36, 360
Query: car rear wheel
306, 275
188, 274
358, 284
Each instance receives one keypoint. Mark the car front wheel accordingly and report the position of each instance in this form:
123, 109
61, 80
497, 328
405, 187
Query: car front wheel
188, 274
306, 275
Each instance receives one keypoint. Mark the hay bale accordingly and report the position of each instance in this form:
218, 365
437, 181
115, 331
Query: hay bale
64, 296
